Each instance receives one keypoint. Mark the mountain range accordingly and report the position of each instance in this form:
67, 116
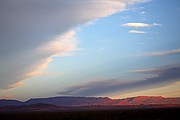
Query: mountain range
70, 103
92, 101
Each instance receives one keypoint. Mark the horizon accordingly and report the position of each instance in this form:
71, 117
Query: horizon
87, 97
112, 48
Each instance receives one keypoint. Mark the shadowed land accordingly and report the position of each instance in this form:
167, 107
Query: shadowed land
131, 114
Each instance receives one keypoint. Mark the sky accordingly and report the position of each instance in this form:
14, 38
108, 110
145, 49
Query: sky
113, 48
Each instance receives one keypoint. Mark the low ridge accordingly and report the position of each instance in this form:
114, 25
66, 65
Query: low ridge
94, 101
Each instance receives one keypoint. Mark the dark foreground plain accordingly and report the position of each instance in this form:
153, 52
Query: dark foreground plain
133, 114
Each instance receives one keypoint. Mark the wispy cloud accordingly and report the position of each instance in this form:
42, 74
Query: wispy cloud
137, 32
60, 45
32, 34
38, 70
156, 24
17, 84
143, 12
163, 53
168, 74
135, 24
147, 71
139, 25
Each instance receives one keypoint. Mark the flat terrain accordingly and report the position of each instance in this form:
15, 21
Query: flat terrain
134, 114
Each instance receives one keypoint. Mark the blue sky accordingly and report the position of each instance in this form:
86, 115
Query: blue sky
126, 49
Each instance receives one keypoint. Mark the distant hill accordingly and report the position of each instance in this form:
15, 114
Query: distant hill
147, 100
10, 103
93, 101
71, 101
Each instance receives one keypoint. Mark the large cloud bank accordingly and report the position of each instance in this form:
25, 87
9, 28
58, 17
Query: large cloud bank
34, 30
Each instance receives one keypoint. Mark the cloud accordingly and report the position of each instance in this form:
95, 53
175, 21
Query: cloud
60, 45
17, 84
136, 25
137, 32
166, 75
139, 25
156, 24
33, 63
163, 53
143, 12
32, 31
147, 71
151, 70
37, 70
